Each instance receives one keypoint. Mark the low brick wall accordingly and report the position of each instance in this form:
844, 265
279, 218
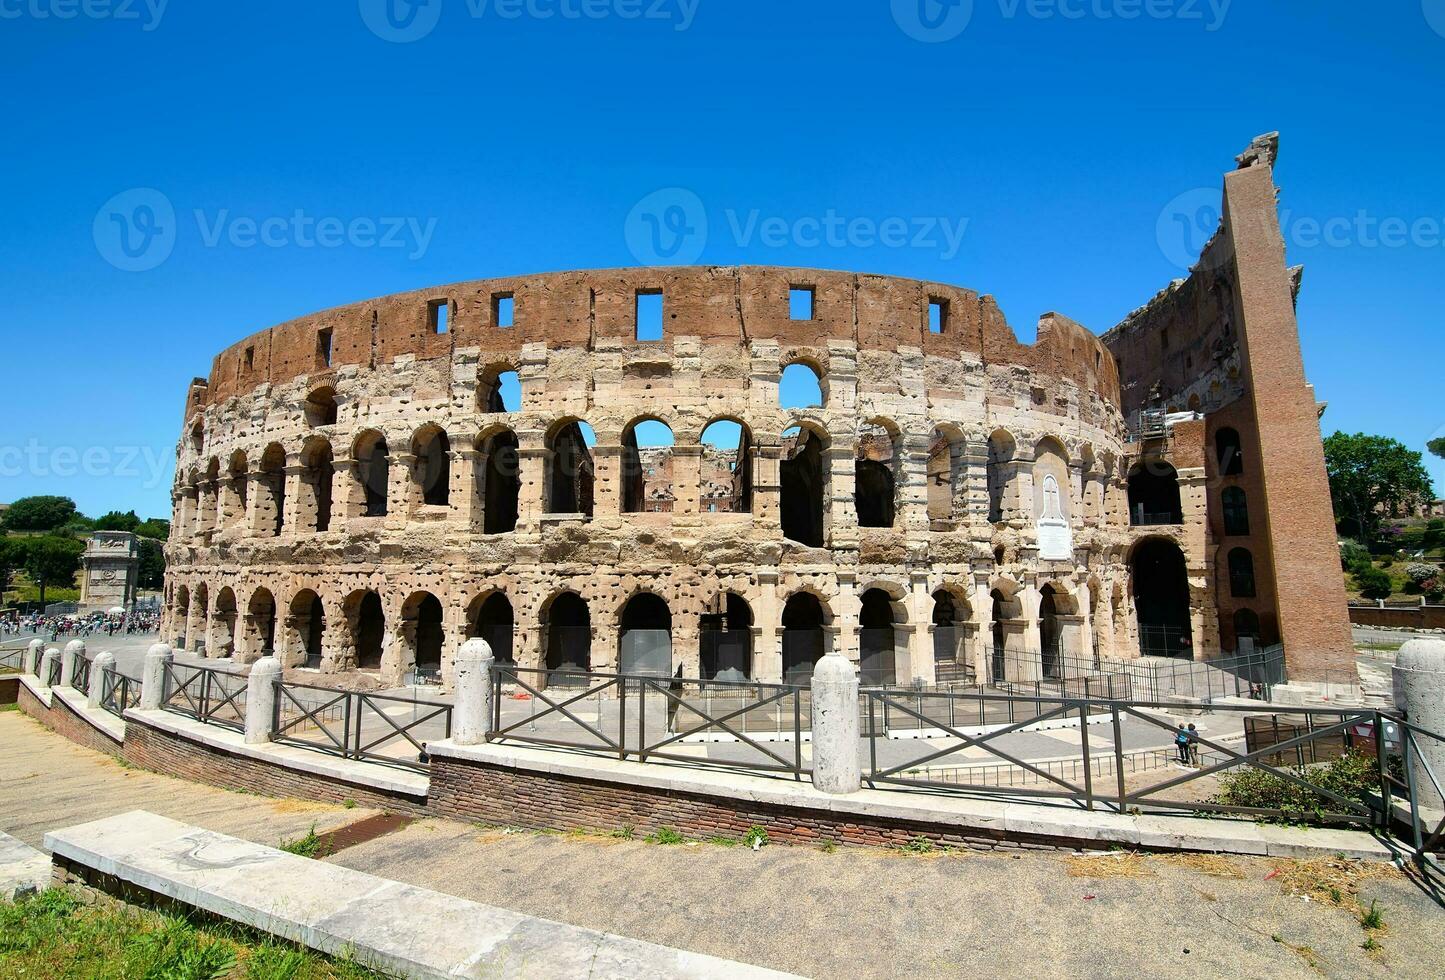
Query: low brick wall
466, 790
172, 755
1413, 618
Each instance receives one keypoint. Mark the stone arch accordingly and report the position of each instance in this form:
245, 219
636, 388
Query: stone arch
180, 615
1160, 582
945, 471
569, 468
802, 383
423, 634
320, 406
499, 384
365, 617
805, 622
271, 507
879, 613
877, 452
726, 474
499, 478
804, 484
238, 486
726, 639
260, 624
491, 617
1154, 493
305, 630
200, 615
372, 473
647, 470
318, 471
1002, 469
566, 624
950, 617
224, 617
645, 636
432, 470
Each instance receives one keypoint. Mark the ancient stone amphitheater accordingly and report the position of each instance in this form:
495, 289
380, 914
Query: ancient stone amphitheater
361, 490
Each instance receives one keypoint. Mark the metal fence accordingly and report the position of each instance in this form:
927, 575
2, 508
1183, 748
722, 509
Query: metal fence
353, 725
11, 661
209, 695
118, 692
52, 675
1251, 675
654, 718
80, 674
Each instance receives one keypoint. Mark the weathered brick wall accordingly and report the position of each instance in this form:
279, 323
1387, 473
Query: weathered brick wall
467, 790
1415, 618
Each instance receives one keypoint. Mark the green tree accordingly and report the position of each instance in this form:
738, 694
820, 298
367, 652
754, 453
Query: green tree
152, 572
52, 560
1437, 446
1371, 476
116, 521
12, 558
1374, 583
155, 529
39, 514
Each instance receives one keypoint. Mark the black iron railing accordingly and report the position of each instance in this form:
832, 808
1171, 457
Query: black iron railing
52, 675
207, 694
11, 661
80, 674
118, 692
377, 728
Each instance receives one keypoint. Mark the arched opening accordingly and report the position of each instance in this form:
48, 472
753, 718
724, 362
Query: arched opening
271, 508
1241, 574
223, 624
949, 615
433, 468
1236, 511
569, 469
803, 643
873, 490
210, 497
1050, 634
1001, 471
373, 472
647, 468
261, 623
645, 642
196, 633
198, 437
727, 640
998, 641
491, 619
499, 389
1246, 630
367, 621
944, 475
237, 489
317, 473
422, 626
1154, 494
802, 485
1052, 505
876, 657
727, 468
308, 627
1161, 599
320, 407
181, 616
1228, 453
501, 482
801, 387
568, 628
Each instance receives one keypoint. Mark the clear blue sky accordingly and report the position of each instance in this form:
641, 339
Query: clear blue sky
513, 144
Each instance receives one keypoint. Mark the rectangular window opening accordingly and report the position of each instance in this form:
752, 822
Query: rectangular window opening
438, 315
800, 302
649, 315
937, 315
323, 346
503, 309
1164, 338
250, 359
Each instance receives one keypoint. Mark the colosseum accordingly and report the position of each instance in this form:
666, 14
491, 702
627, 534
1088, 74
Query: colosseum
727, 472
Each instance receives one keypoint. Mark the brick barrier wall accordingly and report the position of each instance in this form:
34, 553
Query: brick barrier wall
466, 790
1415, 617
172, 755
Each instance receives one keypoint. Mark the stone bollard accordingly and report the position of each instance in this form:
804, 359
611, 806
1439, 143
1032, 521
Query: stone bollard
153, 677
261, 700
1419, 678
835, 726
51, 656
103, 660
73, 649
472, 671
34, 651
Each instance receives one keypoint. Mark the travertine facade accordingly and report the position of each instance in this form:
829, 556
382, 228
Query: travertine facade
109, 571
353, 492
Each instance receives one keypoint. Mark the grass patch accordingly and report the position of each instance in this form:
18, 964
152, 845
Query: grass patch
756, 837
55, 934
666, 835
1117, 864
918, 845
312, 845
624, 833
1335, 881
13, 706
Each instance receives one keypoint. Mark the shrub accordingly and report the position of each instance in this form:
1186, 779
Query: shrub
666, 835
1353, 775
1354, 557
756, 837
1375, 583
1420, 573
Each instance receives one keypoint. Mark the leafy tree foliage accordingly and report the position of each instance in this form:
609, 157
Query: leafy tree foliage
152, 571
1374, 583
1371, 476
1437, 446
12, 558
38, 514
52, 560
116, 521
155, 529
